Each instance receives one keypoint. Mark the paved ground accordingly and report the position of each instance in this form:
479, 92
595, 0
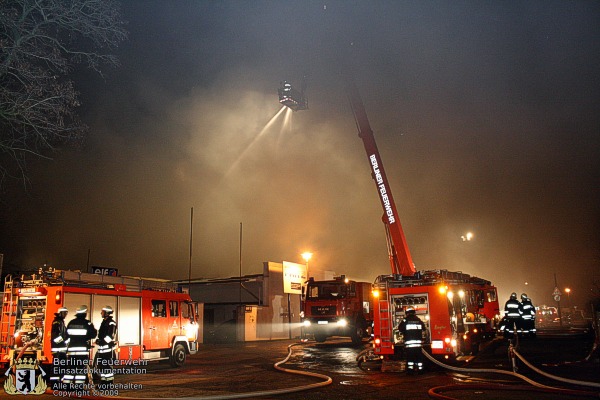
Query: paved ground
243, 369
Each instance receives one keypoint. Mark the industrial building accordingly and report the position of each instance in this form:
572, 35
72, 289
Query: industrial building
251, 307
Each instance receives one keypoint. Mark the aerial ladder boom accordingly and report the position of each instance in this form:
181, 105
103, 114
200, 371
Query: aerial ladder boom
400, 258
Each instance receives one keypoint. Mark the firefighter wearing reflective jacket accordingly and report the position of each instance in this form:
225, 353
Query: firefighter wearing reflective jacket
60, 341
513, 314
81, 331
528, 316
412, 329
105, 350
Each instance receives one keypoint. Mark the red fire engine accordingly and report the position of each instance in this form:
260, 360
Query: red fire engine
155, 321
338, 307
458, 310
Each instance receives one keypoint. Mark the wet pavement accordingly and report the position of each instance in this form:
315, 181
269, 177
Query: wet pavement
246, 370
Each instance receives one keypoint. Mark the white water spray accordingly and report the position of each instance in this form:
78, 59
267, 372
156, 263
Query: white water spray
261, 133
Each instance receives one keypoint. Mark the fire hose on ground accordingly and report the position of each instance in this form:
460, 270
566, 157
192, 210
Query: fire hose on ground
434, 392
326, 381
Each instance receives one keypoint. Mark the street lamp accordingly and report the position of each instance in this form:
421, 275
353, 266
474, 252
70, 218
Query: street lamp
307, 255
568, 292
467, 237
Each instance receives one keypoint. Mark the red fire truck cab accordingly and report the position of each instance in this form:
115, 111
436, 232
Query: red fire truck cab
155, 321
338, 307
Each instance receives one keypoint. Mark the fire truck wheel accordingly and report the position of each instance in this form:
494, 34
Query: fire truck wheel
358, 332
474, 348
178, 356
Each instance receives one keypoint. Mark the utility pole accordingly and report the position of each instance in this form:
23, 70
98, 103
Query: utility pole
190, 264
87, 267
240, 288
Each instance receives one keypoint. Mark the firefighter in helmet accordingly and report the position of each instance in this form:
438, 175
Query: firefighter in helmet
81, 331
528, 316
60, 341
105, 351
513, 314
412, 328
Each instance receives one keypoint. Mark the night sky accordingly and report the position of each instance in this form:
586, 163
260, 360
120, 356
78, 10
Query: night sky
486, 114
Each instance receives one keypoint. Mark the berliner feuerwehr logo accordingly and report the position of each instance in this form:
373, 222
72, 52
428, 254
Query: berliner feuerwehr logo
24, 376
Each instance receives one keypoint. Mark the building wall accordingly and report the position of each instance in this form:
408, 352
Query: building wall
228, 291
283, 325
273, 313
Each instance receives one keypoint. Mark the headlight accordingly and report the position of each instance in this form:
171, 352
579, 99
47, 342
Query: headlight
191, 332
306, 322
342, 322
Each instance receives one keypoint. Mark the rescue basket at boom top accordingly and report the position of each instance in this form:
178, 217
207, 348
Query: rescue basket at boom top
292, 98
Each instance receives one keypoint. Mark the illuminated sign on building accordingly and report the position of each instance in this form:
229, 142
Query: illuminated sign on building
294, 276
105, 271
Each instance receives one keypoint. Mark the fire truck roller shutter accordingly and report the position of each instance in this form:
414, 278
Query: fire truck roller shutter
98, 303
129, 316
73, 301
94, 303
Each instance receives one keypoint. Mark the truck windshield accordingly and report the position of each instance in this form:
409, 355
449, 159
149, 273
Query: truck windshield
327, 291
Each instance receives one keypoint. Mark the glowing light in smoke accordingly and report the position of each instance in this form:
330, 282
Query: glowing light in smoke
467, 237
307, 256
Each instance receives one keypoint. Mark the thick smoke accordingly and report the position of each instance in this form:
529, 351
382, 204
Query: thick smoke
486, 118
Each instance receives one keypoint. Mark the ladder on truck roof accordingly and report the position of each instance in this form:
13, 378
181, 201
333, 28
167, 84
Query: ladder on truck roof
9, 313
85, 279
131, 283
451, 277
431, 277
